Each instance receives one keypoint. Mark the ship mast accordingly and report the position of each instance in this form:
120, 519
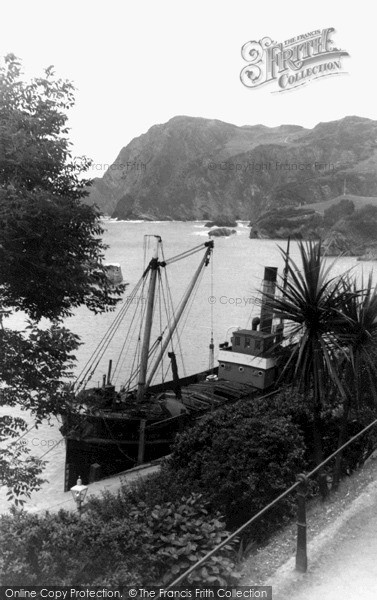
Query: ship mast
153, 268
204, 262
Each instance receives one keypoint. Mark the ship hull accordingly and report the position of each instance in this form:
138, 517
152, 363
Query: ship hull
104, 444
111, 446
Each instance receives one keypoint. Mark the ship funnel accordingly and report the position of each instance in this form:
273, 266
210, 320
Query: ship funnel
254, 323
268, 289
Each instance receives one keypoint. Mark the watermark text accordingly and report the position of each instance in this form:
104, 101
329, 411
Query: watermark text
235, 301
128, 166
270, 166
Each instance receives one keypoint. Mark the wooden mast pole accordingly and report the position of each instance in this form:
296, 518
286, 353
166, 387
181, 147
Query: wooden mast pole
177, 317
153, 267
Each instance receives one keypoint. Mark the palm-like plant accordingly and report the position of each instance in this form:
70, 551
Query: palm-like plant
311, 303
358, 334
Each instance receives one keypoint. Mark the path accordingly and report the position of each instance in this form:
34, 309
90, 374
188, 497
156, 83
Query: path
52, 498
342, 559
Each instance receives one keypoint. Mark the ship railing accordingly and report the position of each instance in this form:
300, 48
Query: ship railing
301, 486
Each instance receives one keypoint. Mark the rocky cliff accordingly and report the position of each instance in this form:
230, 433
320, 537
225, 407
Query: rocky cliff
193, 168
347, 225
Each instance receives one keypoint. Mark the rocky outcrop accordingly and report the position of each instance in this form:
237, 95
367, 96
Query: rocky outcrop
337, 244
370, 253
354, 235
221, 232
287, 222
193, 168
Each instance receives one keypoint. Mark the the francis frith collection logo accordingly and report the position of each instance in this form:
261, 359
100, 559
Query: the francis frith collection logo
292, 63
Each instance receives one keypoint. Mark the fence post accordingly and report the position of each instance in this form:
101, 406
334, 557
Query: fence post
94, 472
141, 449
301, 554
66, 476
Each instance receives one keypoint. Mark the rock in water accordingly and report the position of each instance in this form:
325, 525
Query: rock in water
221, 232
370, 253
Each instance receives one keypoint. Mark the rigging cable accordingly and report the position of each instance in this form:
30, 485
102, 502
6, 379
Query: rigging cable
92, 364
103, 344
130, 334
186, 315
171, 303
136, 357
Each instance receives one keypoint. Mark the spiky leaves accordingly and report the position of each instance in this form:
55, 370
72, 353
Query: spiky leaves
310, 303
358, 334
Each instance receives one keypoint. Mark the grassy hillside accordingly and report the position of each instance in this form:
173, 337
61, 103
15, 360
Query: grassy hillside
194, 168
359, 202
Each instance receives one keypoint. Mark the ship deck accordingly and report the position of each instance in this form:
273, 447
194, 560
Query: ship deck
197, 397
204, 395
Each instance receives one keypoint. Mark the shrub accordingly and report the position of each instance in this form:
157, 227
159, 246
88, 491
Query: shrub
145, 545
241, 457
364, 221
294, 404
338, 211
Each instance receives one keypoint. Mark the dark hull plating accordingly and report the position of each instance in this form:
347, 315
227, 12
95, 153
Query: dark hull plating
103, 444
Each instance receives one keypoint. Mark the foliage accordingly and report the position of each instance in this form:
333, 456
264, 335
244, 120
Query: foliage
284, 222
364, 221
338, 211
51, 254
156, 488
241, 458
359, 335
33, 369
293, 403
50, 247
311, 304
19, 471
145, 545
150, 532
331, 324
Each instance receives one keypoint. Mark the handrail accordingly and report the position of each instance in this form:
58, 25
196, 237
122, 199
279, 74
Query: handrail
352, 439
267, 507
233, 535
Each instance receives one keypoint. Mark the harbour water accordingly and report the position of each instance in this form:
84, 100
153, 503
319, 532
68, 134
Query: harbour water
226, 298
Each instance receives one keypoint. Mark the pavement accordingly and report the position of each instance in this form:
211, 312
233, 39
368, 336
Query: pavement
342, 559
51, 497
47, 443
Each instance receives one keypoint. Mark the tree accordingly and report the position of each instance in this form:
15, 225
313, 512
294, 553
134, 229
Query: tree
51, 251
311, 303
51, 257
36, 366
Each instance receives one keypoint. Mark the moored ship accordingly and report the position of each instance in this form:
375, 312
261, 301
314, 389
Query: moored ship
108, 431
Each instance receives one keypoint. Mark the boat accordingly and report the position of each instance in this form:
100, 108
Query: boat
109, 430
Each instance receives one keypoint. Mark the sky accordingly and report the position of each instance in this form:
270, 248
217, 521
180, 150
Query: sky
137, 64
